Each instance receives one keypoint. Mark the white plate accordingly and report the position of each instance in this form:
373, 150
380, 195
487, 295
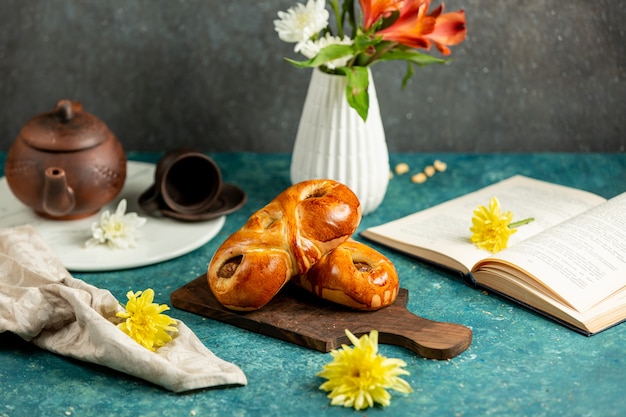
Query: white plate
161, 238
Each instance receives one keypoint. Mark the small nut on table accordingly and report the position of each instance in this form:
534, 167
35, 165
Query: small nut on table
429, 170
440, 166
419, 178
402, 168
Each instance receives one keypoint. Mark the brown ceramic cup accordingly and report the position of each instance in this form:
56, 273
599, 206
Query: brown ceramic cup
185, 181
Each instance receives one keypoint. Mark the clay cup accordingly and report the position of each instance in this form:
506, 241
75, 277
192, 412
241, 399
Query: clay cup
185, 181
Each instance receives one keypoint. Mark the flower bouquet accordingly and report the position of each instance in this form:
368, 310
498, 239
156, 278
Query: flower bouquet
386, 30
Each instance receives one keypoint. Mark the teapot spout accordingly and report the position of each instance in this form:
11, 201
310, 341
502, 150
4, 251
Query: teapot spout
58, 198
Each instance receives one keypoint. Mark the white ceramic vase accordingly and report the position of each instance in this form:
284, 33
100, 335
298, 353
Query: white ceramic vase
334, 142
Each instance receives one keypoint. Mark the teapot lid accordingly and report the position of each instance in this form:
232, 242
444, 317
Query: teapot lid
66, 128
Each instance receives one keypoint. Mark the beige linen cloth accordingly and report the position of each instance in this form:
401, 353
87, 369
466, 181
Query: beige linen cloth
41, 302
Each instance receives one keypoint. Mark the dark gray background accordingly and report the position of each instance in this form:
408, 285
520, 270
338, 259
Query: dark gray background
533, 75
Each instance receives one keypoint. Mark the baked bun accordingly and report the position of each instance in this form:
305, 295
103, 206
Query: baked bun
282, 240
353, 275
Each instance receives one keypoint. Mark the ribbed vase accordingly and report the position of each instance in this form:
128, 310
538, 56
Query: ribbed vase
334, 142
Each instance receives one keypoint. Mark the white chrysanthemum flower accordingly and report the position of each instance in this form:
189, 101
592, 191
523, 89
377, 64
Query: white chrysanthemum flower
118, 230
313, 47
301, 22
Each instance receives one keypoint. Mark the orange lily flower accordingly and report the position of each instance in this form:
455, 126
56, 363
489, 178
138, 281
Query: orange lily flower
373, 10
417, 29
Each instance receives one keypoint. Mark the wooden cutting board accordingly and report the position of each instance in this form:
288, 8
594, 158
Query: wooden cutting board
297, 316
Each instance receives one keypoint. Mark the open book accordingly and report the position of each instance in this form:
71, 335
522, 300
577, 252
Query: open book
568, 264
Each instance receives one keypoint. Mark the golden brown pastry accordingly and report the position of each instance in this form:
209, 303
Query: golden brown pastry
354, 275
281, 240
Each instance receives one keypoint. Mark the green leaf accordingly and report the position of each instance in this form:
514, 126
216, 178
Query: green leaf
408, 75
356, 90
411, 56
327, 54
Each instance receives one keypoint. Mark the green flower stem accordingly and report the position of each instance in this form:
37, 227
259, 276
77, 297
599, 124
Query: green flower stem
335, 6
389, 46
348, 13
521, 223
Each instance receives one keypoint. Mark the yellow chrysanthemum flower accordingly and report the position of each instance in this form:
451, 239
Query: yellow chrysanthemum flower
491, 228
144, 321
359, 377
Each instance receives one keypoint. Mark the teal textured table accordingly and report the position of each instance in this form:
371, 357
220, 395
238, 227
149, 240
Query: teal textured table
519, 363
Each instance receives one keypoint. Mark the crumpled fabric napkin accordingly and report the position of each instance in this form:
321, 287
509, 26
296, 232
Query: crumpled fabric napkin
41, 302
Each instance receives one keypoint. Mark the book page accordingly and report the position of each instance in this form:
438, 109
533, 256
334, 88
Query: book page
445, 228
583, 260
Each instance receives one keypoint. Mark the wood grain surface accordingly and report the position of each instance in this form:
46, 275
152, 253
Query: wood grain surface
297, 316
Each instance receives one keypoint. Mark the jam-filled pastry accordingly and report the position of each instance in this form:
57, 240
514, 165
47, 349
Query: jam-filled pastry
354, 275
281, 240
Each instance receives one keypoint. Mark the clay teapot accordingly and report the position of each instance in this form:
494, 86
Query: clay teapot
65, 164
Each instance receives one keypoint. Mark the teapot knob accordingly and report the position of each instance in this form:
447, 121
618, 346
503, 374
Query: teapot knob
66, 109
